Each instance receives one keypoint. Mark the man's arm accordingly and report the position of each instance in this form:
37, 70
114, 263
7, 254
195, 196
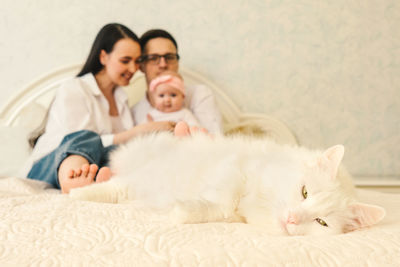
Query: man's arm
200, 100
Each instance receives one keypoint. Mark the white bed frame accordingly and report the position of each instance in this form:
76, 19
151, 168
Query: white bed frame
28, 107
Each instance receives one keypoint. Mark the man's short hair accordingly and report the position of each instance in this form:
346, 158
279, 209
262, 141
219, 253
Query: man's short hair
155, 33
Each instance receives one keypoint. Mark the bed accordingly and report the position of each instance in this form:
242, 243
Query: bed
41, 227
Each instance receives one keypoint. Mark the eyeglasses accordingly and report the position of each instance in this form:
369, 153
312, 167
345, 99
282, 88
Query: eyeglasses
154, 59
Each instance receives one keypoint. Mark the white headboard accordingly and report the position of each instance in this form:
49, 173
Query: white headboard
28, 107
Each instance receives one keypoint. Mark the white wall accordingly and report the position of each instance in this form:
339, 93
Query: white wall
329, 69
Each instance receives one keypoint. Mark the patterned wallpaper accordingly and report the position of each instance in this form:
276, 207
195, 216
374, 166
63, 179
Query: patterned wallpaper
329, 69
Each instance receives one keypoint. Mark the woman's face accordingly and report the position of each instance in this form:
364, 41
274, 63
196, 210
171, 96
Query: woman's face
120, 63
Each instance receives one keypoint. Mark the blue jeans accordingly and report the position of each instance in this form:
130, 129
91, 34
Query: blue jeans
84, 143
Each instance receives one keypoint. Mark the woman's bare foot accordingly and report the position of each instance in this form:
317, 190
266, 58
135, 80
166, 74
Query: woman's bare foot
78, 177
75, 171
103, 175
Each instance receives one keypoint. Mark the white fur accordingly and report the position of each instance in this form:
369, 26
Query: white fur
202, 179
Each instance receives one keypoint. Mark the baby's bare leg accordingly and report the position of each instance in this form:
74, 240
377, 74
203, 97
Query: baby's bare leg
183, 129
75, 171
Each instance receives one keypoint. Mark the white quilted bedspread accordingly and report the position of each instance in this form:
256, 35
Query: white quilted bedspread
41, 227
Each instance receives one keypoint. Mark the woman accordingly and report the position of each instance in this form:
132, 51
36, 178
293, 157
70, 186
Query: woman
90, 115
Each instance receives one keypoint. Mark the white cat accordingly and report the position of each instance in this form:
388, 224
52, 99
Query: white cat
286, 189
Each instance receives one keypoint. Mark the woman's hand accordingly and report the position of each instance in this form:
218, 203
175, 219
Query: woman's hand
153, 126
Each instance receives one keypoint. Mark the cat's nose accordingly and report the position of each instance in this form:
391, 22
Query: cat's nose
292, 219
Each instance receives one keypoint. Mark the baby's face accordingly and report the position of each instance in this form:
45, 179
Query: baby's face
166, 98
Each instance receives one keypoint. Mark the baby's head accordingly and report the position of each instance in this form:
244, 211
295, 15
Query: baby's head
167, 92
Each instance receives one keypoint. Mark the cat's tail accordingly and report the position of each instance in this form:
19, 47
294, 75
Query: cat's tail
109, 192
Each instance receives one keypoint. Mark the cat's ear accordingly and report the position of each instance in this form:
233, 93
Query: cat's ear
331, 158
364, 215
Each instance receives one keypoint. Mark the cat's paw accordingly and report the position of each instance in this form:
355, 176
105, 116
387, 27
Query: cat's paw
77, 193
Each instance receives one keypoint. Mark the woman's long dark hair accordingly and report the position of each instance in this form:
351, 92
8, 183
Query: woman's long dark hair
105, 40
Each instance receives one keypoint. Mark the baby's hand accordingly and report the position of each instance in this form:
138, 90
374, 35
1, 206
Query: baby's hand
149, 117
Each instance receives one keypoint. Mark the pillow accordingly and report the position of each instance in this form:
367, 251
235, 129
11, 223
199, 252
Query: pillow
15, 149
31, 116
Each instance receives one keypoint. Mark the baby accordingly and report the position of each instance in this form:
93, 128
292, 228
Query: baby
166, 96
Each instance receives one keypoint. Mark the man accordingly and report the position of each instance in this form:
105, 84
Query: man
160, 54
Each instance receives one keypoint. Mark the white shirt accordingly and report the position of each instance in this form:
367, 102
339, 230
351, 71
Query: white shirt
117, 125
199, 99
80, 105
181, 115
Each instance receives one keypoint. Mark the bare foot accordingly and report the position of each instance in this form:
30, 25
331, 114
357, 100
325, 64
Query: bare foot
75, 171
183, 129
78, 177
194, 129
205, 131
103, 175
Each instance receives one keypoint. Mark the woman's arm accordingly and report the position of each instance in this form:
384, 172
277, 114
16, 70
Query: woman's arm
77, 109
71, 109
156, 126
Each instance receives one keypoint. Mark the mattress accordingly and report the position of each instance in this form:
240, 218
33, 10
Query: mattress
41, 227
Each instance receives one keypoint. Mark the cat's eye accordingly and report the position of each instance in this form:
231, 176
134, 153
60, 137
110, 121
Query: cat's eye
321, 222
304, 192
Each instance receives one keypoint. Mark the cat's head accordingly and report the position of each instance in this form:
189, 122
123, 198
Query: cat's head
322, 202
